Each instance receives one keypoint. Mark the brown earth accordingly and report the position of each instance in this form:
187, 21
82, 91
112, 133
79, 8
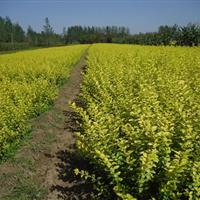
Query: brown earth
43, 167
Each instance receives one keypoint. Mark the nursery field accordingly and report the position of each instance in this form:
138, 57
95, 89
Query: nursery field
135, 111
141, 123
29, 83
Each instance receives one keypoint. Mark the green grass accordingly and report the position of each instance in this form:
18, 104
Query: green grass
26, 190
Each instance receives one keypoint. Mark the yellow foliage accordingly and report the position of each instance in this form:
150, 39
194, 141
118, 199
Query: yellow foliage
29, 82
142, 119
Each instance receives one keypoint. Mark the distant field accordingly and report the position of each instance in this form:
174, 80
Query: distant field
29, 83
142, 121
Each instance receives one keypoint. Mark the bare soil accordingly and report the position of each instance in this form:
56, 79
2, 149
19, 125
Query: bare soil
43, 167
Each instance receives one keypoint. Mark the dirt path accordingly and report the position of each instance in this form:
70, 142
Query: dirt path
43, 167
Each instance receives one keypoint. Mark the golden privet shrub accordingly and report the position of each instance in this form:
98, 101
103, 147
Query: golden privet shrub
29, 82
141, 123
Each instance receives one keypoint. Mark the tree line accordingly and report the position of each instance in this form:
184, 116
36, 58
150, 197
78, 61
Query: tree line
13, 35
188, 35
94, 34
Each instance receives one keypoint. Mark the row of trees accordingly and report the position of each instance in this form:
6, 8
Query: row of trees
47, 37
11, 33
79, 34
168, 35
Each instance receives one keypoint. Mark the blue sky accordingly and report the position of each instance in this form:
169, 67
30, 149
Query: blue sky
138, 15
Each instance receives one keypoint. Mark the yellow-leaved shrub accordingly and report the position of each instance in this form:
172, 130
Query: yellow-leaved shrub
29, 82
141, 123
